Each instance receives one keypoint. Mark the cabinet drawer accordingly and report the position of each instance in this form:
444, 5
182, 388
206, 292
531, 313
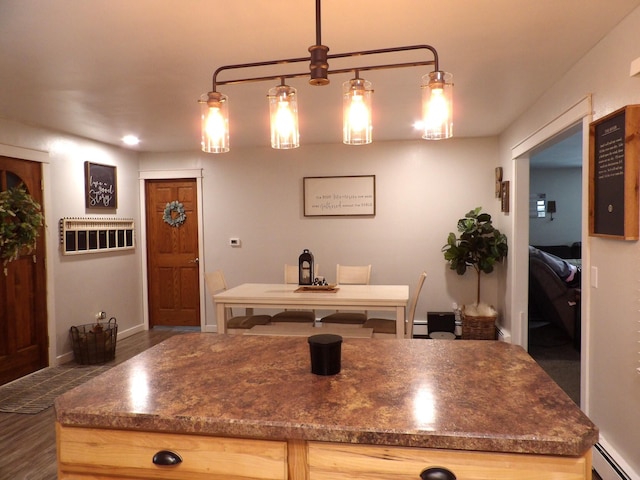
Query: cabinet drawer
129, 455
330, 461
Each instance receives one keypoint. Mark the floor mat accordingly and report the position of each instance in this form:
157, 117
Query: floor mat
37, 392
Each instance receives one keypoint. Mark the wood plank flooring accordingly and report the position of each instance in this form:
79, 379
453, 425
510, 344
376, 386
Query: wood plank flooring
28, 442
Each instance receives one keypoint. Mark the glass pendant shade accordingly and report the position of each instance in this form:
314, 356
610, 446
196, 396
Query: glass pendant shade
437, 105
215, 123
283, 113
356, 111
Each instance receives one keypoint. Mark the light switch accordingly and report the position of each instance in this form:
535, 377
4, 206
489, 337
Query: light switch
594, 277
635, 68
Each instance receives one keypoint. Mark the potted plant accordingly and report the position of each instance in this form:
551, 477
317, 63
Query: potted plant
20, 219
479, 246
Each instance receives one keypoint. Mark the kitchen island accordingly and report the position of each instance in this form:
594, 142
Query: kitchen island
248, 407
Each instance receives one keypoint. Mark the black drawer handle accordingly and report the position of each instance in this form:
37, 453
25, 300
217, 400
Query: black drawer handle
166, 458
437, 473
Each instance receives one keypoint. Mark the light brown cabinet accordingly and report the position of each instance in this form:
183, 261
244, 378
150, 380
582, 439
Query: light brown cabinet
330, 461
115, 454
128, 455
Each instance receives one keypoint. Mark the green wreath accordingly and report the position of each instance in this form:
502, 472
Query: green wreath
174, 214
20, 219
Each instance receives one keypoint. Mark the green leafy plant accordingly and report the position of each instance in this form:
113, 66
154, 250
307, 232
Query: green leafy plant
20, 220
479, 245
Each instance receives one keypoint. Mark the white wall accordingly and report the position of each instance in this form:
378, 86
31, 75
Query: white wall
564, 185
80, 286
422, 188
611, 323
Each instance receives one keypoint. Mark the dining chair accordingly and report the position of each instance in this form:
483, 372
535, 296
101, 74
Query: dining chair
385, 327
216, 283
300, 316
350, 275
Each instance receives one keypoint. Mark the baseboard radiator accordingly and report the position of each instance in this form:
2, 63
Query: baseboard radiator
607, 467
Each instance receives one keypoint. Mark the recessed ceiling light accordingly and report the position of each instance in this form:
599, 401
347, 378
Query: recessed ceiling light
131, 140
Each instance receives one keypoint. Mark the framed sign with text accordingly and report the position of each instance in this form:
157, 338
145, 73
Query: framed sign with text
614, 150
339, 196
100, 186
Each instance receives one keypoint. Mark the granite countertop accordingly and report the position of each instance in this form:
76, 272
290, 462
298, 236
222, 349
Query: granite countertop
465, 395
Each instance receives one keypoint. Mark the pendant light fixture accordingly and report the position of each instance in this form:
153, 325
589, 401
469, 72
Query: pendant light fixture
215, 123
356, 111
437, 105
357, 96
283, 112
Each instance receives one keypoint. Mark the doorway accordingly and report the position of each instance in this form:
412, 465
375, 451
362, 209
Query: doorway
23, 313
172, 243
555, 227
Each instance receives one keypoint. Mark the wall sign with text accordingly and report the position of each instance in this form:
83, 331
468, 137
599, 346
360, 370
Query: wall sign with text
614, 152
339, 196
100, 186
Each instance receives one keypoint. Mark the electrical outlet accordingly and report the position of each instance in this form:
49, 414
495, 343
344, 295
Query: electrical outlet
101, 315
235, 242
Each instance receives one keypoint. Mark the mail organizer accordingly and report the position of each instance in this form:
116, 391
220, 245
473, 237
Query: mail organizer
96, 235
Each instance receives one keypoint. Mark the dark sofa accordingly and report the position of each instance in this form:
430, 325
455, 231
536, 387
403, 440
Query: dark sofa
551, 299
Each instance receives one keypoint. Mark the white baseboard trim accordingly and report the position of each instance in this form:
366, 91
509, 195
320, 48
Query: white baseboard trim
609, 464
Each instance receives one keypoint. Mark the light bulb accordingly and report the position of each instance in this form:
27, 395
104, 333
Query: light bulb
358, 114
284, 120
437, 109
214, 125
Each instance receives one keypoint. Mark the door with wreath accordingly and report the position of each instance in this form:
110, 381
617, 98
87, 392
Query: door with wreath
172, 252
23, 312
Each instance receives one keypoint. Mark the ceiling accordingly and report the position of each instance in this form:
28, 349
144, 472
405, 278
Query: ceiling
105, 68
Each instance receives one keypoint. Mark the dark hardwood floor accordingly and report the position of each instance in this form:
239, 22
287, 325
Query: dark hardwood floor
28, 442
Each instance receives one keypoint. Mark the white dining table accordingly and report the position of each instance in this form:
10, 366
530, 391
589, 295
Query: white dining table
391, 298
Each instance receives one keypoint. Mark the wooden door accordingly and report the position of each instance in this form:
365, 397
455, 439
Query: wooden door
23, 313
172, 254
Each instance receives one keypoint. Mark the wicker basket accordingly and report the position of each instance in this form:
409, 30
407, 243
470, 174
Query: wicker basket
91, 345
479, 328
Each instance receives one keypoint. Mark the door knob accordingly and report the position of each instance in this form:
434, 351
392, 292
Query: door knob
195, 260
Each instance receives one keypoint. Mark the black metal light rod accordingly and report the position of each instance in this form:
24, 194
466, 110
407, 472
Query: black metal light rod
286, 61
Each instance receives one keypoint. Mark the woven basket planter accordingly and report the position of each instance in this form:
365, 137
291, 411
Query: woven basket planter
92, 346
479, 328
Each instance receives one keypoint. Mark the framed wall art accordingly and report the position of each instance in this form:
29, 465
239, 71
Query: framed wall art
339, 196
614, 149
100, 186
504, 196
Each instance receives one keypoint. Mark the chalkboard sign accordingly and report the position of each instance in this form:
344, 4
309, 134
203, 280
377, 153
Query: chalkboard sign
614, 151
100, 186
